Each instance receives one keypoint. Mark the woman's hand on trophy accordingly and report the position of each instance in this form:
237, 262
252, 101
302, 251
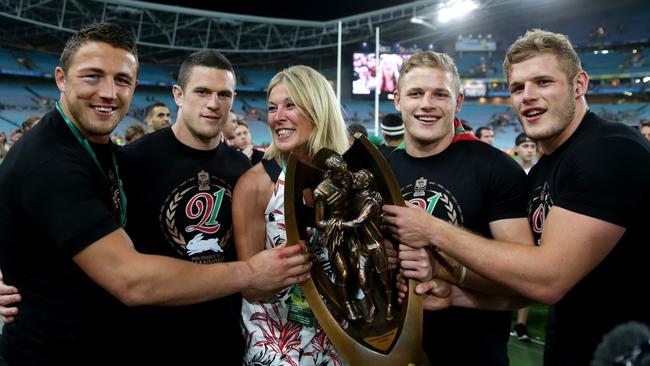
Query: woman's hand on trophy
391, 255
402, 288
415, 263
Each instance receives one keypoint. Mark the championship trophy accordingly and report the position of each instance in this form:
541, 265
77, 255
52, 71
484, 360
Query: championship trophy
334, 205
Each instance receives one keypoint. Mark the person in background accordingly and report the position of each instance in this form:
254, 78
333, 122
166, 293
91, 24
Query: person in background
133, 132
645, 129
244, 142
157, 116
525, 151
485, 134
354, 128
392, 129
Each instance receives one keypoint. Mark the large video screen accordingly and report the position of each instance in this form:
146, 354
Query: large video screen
365, 66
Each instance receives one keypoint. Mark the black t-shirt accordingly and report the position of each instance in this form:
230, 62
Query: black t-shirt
54, 202
257, 156
601, 171
469, 184
179, 202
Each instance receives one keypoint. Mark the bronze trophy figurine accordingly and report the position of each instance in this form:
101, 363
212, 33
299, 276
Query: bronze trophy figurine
354, 297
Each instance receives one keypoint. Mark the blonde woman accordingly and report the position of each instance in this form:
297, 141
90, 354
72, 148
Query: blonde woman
304, 116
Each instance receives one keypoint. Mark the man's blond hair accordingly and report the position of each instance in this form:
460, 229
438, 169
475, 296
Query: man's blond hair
538, 41
434, 60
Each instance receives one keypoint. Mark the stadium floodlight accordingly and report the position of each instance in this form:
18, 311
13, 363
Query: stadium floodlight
455, 9
421, 21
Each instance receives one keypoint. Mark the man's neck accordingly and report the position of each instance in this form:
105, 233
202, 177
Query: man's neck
96, 139
417, 150
182, 134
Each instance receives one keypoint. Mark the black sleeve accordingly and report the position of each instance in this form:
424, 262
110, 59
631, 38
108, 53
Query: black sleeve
65, 201
507, 188
606, 180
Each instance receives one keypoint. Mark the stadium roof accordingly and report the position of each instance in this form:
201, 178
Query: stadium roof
166, 33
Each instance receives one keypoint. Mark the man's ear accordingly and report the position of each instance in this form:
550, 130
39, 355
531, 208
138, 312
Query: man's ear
59, 77
581, 84
459, 101
178, 95
396, 100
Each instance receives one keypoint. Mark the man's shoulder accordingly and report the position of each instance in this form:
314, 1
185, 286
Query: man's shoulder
148, 141
479, 152
607, 137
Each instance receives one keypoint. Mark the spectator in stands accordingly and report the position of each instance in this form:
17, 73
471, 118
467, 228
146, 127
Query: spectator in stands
525, 154
645, 129
588, 205
228, 130
30, 122
15, 136
485, 134
3, 145
157, 116
69, 264
354, 128
454, 178
392, 129
525, 151
244, 142
133, 132
304, 116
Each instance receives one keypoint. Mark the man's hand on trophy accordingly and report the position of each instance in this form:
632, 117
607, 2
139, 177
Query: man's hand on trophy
437, 294
409, 225
9, 296
279, 267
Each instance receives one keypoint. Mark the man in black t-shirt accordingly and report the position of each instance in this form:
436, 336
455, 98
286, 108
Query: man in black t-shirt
62, 208
451, 176
187, 215
587, 206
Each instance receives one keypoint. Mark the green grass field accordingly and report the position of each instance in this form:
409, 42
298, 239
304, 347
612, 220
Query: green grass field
530, 353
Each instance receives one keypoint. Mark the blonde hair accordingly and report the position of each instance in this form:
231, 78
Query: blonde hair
538, 41
434, 60
313, 94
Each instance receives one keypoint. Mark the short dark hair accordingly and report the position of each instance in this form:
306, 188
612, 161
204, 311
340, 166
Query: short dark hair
480, 130
644, 124
132, 131
392, 125
521, 138
207, 58
109, 33
357, 127
150, 107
